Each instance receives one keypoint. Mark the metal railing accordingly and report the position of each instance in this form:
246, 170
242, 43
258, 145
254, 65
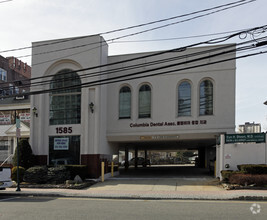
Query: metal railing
6, 160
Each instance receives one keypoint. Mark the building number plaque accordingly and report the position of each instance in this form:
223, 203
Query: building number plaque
64, 130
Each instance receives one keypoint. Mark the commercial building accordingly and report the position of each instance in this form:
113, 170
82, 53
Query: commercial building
14, 79
93, 105
14, 76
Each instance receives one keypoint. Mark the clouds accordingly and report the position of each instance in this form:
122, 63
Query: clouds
26, 21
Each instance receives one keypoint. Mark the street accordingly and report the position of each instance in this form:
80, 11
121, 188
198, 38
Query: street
85, 208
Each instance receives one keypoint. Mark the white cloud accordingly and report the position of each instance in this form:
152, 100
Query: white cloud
26, 21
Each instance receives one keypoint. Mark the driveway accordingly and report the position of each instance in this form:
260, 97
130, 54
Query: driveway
160, 178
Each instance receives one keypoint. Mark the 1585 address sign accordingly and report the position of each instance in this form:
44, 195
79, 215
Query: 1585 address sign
64, 130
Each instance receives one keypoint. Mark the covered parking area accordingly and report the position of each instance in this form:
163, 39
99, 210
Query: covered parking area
163, 155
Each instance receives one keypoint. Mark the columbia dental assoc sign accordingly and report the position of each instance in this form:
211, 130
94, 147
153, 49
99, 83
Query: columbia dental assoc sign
168, 123
245, 138
61, 143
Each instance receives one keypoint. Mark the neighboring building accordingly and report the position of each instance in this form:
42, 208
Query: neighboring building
240, 148
14, 79
185, 108
249, 128
10, 109
19, 67
14, 76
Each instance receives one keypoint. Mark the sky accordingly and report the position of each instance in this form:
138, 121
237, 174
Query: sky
27, 21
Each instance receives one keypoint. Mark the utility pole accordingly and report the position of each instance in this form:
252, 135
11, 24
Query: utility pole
18, 136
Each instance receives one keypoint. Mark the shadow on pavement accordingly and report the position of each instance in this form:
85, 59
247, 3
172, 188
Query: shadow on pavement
165, 172
162, 178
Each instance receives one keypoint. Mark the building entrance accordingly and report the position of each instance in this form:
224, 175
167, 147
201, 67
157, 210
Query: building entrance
167, 159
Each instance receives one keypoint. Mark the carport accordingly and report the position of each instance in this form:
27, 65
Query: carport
204, 145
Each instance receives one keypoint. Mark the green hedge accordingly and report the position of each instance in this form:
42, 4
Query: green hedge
58, 174
81, 170
253, 168
226, 174
36, 174
14, 173
248, 179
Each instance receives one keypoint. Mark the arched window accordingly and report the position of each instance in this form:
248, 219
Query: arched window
144, 101
125, 102
184, 99
65, 103
206, 98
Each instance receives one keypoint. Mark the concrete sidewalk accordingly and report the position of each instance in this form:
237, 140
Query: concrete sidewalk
149, 188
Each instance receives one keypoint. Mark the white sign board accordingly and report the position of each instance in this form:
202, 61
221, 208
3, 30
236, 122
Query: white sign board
5, 119
61, 143
25, 117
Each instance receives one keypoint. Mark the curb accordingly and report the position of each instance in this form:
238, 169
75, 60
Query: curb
134, 197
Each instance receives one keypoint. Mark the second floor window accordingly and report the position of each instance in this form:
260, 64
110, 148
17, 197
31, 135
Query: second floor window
144, 102
206, 98
3, 75
65, 100
184, 99
125, 102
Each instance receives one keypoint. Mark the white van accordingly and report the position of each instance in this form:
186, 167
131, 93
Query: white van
5, 177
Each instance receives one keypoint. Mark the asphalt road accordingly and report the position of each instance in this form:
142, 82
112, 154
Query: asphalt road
17, 208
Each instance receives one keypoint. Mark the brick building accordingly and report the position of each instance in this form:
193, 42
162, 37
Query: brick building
14, 79
14, 75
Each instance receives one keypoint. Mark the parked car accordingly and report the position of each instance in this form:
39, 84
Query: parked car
5, 177
140, 161
193, 159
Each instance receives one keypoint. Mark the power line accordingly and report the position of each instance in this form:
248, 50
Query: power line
134, 75
211, 41
135, 66
189, 19
179, 38
182, 69
175, 17
145, 31
6, 1
129, 67
150, 55
231, 5
132, 59
124, 36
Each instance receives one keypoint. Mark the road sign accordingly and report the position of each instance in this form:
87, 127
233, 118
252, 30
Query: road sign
245, 138
17, 123
18, 135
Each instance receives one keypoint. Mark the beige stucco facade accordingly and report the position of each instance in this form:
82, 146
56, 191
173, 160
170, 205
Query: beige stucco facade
101, 132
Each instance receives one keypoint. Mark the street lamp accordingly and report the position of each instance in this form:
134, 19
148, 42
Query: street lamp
91, 106
34, 111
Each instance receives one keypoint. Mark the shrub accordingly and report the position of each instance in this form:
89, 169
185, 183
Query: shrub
253, 168
36, 174
80, 170
226, 174
248, 179
58, 174
14, 173
26, 157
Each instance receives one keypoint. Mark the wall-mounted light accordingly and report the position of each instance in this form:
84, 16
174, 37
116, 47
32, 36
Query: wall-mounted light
227, 166
34, 111
91, 106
